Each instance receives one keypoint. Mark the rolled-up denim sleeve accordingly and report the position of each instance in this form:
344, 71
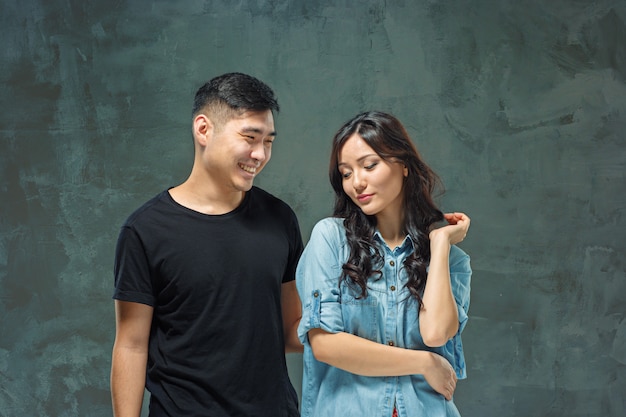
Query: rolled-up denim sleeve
317, 280
460, 278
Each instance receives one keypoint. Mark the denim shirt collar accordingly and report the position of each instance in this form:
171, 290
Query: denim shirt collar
406, 246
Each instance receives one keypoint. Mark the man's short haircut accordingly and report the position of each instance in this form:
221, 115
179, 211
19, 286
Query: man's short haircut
232, 94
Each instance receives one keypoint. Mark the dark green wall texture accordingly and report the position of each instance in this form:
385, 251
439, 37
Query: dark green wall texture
519, 105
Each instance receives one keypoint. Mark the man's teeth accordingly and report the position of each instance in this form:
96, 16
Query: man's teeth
251, 170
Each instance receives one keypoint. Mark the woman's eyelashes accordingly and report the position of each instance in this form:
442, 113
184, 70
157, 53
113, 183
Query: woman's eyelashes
366, 166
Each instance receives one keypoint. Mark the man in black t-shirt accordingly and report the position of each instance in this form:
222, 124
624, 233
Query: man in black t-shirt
205, 298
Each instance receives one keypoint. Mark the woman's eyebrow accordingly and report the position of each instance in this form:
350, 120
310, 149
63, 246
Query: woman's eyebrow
361, 158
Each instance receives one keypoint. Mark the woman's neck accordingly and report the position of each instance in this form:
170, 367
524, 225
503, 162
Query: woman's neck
391, 229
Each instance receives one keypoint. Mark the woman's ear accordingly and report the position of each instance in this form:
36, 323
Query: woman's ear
405, 171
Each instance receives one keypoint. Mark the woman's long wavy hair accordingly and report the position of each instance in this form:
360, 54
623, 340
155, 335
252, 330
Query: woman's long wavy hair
389, 139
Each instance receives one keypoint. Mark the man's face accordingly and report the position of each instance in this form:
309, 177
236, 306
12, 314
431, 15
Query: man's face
237, 151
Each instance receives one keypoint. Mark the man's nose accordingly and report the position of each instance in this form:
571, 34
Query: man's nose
258, 152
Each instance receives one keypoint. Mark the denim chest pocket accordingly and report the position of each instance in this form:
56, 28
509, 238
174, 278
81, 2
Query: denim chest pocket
361, 315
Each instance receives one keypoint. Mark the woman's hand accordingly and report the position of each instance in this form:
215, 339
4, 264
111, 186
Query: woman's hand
455, 231
441, 377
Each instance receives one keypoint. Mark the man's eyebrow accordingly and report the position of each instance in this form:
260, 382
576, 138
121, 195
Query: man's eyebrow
250, 129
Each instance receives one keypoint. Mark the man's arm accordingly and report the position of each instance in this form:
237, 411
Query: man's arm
130, 357
292, 312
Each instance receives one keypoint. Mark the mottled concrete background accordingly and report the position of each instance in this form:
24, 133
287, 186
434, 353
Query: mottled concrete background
519, 105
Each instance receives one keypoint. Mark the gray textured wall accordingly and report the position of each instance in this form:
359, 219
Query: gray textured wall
519, 105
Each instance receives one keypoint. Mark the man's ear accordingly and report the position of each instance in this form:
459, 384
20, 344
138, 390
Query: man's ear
202, 129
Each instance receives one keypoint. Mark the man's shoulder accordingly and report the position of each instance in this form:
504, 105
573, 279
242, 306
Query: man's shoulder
261, 193
147, 210
261, 196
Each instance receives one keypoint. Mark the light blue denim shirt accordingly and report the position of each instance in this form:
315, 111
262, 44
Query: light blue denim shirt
387, 315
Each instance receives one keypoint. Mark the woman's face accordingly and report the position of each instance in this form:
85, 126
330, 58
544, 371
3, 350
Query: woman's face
374, 184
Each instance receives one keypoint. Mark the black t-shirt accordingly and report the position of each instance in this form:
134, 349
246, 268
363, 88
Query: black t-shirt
216, 343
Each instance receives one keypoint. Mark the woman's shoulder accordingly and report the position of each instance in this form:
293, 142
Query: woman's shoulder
330, 229
329, 225
459, 260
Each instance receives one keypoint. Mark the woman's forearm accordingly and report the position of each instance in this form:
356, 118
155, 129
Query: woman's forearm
364, 357
439, 319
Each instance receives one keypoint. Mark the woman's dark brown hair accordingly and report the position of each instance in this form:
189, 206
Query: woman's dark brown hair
389, 139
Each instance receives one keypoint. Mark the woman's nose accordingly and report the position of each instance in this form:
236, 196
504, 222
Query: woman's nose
358, 182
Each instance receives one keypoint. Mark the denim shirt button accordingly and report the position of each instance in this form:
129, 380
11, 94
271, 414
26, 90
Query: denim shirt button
390, 343
392, 263
316, 294
392, 288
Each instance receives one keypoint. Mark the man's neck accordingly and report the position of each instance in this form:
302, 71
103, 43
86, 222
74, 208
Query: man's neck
206, 199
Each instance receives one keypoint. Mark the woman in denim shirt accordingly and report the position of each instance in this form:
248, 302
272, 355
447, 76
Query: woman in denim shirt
385, 295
